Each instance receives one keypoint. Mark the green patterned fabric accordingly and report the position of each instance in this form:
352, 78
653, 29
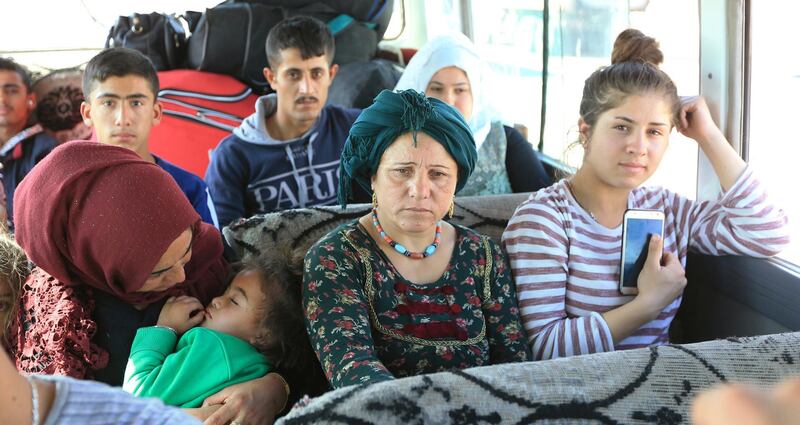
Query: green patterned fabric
369, 324
490, 176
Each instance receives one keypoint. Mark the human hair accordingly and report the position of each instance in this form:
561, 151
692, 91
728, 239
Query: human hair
282, 327
633, 71
14, 270
309, 35
8, 64
118, 62
283, 339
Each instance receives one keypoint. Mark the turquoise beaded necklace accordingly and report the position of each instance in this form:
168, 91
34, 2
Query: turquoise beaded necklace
403, 250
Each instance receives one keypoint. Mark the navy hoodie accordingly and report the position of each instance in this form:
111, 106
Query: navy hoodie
18, 157
252, 173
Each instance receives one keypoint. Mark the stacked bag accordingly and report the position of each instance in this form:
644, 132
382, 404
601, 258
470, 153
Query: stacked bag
229, 38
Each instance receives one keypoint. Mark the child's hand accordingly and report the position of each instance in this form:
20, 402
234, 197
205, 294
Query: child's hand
177, 313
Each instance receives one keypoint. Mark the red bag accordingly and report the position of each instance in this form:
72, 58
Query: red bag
200, 109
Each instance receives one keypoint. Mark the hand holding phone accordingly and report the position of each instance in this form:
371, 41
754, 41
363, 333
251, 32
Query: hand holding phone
638, 226
662, 279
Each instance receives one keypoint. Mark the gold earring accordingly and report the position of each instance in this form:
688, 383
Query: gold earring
452, 209
374, 201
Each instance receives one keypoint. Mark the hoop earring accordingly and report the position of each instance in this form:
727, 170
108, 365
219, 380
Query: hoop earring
374, 201
452, 209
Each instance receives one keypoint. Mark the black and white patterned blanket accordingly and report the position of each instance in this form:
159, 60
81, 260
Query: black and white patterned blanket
292, 232
647, 386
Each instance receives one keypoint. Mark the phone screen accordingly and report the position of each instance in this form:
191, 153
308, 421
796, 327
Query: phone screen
637, 237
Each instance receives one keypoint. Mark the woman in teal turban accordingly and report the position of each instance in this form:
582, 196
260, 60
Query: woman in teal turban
400, 291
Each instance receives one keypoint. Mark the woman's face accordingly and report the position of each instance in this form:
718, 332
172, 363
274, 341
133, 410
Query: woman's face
414, 185
168, 272
451, 86
627, 143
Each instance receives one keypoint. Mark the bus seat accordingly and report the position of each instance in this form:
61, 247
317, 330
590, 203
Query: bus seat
357, 83
296, 230
408, 53
646, 385
709, 298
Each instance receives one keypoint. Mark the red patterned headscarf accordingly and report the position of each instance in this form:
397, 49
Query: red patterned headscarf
98, 216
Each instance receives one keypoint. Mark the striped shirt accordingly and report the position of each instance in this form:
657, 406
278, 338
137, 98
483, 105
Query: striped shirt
95, 403
566, 265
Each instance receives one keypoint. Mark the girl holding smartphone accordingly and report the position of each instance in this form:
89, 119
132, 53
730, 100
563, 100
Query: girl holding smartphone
564, 241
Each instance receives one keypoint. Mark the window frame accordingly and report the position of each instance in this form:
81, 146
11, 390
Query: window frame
768, 286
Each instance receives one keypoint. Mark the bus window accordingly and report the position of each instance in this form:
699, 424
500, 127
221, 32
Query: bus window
676, 25
774, 90
509, 35
397, 24
442, 16
71, 32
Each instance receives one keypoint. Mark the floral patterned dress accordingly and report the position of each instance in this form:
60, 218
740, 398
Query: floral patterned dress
369, 324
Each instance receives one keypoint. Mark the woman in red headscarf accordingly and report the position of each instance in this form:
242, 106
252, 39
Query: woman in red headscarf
112, 237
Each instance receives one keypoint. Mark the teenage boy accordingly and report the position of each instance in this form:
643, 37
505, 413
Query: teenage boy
285, 155
121, 87
21, 147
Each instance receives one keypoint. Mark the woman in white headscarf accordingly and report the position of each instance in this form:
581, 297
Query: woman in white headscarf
449, 69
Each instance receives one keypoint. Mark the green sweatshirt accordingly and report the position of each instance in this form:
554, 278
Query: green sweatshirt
203, 363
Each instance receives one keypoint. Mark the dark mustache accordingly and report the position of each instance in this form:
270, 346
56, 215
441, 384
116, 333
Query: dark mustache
305, 99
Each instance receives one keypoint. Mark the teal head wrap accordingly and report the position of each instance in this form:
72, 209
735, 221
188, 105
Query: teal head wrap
391, 115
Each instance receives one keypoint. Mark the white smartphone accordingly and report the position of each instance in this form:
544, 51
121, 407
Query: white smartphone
637, 228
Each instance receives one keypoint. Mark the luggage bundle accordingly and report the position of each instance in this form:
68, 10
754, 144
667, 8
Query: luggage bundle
211, 65
200, 109
160, 37
229, 38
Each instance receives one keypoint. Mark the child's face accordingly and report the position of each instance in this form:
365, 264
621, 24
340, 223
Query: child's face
238, 311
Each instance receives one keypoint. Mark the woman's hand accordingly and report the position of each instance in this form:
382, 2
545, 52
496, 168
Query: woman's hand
694, 121
177, 313
253, 402
659, 284
203, 412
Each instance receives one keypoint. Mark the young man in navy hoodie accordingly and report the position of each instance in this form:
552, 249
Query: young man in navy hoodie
121, 88
285, 155
21, 147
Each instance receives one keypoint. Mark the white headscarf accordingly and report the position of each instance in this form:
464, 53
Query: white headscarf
453, 50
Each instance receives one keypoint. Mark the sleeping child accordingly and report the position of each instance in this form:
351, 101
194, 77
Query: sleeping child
194, 352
